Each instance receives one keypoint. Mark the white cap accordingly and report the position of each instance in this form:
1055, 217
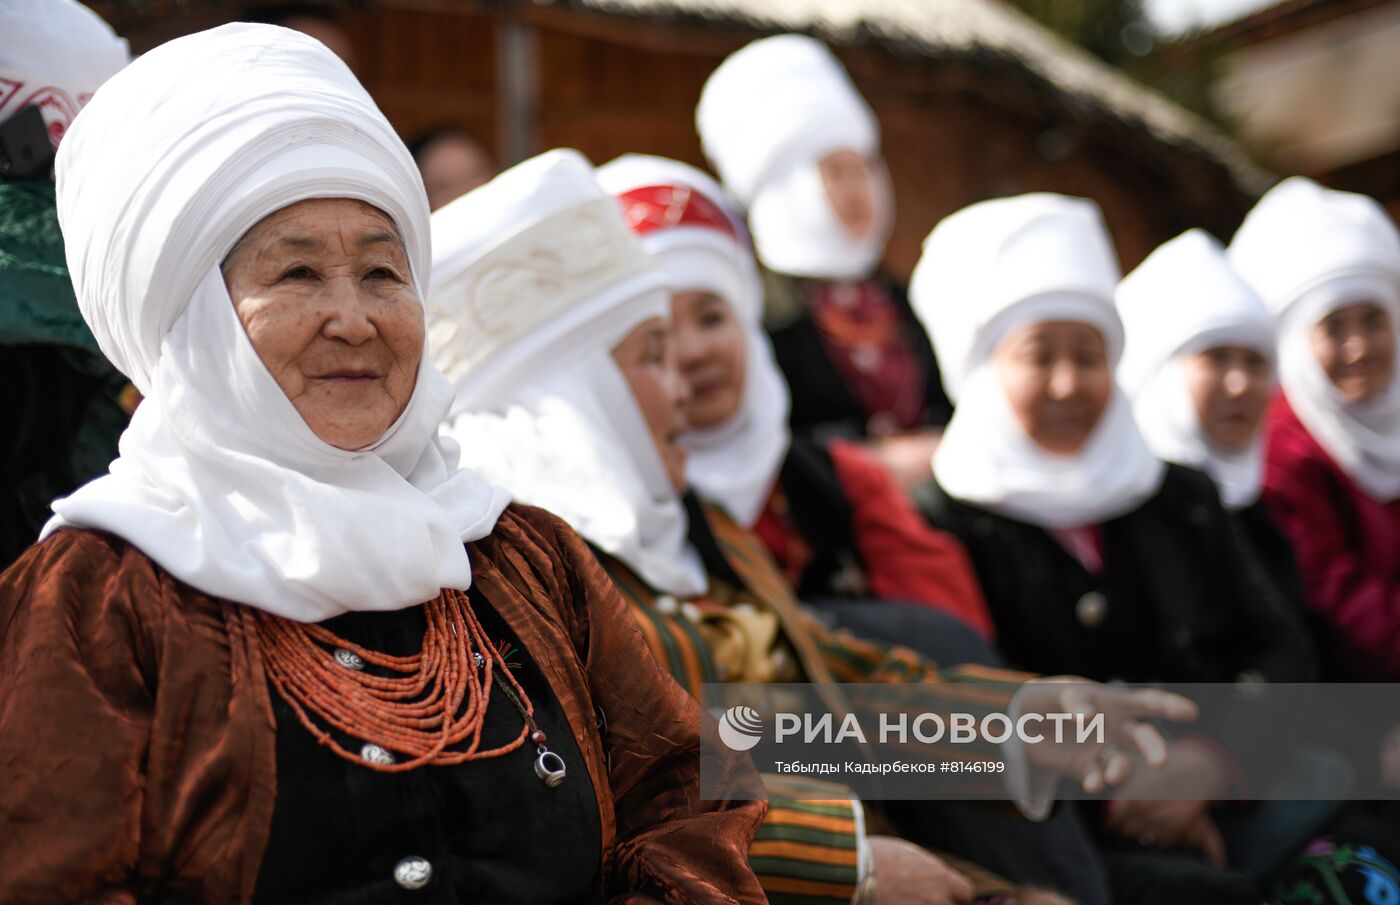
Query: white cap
1186, 297
534, 264
998, 264
683, 219
776, 101
54, 55
1301, 235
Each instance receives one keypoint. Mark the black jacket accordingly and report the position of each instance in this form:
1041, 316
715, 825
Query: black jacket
1181, 599
1274, 552
823, 405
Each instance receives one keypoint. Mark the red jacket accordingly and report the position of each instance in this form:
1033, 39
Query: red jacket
902, 557
1348, 549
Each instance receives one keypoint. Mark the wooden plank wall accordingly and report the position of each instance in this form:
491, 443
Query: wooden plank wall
955, 131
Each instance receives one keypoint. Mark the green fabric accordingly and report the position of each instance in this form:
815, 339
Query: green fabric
37, 304
63, 413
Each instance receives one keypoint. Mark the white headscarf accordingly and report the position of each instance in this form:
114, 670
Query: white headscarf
767, 116
536, 279
220, 481
678, 213
53, 55
1308, 251
985, 271
1183, 299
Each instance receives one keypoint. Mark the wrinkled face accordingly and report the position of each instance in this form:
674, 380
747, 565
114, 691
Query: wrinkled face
850, 189
324, 292
1356, 347
711, 350
1229, 387
1057, 378
647, 359
452, 166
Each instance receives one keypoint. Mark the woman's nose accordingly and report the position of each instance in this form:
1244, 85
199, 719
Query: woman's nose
1354, 346
1236, 382
689, 348
1064, 380
347, 316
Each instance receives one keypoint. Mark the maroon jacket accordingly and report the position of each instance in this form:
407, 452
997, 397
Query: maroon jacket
1348, 549
137, 738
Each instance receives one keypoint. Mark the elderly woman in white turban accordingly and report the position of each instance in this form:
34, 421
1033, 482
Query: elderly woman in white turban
798, 148
1327, 265
286, 650
1096, 558
1198, 364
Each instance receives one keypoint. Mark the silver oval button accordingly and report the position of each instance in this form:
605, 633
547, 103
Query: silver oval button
376, 755
1091, 609
349, 659
413, 872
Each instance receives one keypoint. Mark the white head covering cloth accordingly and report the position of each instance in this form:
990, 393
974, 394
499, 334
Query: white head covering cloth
54, 55
536, 279
1309, 251
736, 463
767, 116
985, 271
1183, 299
220, 480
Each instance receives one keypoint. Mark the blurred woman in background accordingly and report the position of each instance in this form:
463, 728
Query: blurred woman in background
65, 403
1327, 264
799, 149
1198, 363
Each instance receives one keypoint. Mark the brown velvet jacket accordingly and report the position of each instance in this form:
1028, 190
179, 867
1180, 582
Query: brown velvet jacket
137, 738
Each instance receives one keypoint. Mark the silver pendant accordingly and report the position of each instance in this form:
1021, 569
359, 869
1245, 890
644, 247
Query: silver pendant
550, 767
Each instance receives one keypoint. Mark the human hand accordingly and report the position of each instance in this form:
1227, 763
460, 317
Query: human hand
906, 874
1390, 758
1107, 758
1169, 824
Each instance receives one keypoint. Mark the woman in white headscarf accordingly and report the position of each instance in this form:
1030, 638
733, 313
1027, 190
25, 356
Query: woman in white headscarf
64, 403
1327, 265
799, 149
1198, 363
1095, 557
844, 533
286, 650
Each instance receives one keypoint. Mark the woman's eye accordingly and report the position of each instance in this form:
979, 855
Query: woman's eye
300, 272
382, 273
711, 320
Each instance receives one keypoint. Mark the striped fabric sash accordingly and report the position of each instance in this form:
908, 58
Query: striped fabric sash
674, 639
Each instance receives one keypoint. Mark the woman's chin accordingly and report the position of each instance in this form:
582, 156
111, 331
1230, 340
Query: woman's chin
711, 411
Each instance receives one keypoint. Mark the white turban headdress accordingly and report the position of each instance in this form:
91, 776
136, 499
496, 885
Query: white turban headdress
220, 480
986, 271
767, 116
536, 278
1309, 251
678, 213
53, 55
1182, 300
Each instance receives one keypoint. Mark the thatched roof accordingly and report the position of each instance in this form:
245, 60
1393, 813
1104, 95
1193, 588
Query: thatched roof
946, 28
